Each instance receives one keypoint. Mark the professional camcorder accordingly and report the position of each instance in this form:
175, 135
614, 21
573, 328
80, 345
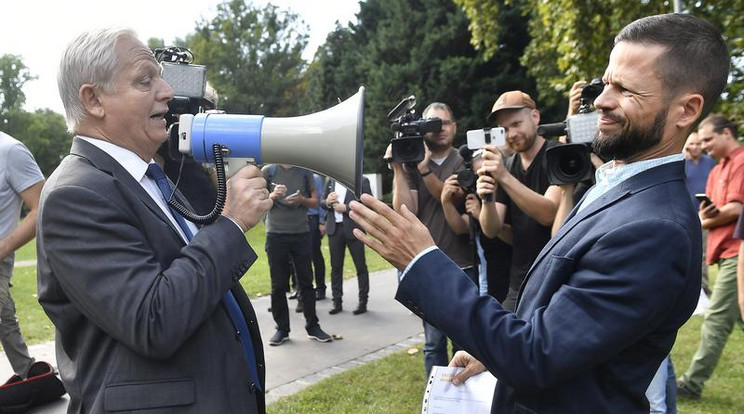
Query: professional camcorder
570, 163
408, 142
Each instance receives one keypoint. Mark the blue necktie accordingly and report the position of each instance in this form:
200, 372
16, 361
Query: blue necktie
231, 305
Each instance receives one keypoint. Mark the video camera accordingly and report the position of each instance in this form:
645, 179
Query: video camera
571, 163
408, 142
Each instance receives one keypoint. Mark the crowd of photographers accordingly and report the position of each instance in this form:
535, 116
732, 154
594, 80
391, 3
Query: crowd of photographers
493, 204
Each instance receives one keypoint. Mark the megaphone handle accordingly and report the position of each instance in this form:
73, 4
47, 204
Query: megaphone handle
219, 203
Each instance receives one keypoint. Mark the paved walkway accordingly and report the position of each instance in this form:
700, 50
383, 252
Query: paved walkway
388, 327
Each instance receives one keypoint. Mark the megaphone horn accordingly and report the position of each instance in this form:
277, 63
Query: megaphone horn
329, 142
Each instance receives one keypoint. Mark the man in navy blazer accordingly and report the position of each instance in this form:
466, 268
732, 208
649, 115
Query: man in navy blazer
141, 316
603, 301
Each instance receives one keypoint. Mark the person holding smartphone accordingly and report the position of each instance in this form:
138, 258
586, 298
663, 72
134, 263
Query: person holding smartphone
718, 215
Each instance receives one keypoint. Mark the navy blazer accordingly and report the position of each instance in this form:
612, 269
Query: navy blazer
598, 311
138, 312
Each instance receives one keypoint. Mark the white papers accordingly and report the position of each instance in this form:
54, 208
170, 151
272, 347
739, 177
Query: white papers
703, 304
443, 397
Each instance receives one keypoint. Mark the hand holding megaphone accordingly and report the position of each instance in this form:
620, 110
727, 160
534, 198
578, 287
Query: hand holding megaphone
247, 197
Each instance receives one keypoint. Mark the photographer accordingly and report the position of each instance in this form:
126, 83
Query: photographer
521, 193
419, 187
494, 254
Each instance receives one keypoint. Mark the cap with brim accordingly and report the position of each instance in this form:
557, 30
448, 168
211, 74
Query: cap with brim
511, 100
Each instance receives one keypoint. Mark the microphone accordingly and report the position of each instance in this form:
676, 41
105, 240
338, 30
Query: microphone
552, 130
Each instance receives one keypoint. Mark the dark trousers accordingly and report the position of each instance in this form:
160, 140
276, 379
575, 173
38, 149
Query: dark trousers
316, 254
280, 249
338, 244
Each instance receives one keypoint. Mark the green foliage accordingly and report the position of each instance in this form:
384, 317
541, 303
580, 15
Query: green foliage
420, 47
13, 75
572, 39
44, 133
254, 57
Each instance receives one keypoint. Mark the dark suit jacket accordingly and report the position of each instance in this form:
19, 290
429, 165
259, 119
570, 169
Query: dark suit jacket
139, 315
349, 224
599, 310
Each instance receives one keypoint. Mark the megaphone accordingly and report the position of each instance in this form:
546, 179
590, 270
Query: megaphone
329, 142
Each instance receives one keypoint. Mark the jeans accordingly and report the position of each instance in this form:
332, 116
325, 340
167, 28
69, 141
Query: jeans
662, 399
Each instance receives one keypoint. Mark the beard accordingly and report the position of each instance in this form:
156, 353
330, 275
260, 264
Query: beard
631, 140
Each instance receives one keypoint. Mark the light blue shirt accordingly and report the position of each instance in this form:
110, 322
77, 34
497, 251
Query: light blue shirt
612, 173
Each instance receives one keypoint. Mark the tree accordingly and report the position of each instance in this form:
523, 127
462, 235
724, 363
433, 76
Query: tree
13, 75
572, 39
44, 133
421, 47
253, 57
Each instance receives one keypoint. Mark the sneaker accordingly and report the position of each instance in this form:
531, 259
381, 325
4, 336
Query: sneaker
279, 338
684, 392
318, 334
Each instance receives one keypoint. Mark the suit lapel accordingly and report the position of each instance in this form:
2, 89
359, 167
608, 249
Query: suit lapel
646, 179
104, 162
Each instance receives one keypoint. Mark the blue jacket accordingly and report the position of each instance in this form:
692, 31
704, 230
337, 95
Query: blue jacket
598, 311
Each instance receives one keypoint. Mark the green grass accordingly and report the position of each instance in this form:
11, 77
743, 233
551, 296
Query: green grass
351, 390
394, 384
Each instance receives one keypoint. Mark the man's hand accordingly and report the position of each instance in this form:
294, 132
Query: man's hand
492, 163
398, 238
423, 166
247, 197
473, 206
708, 211
574, 97
451, 189
332, 202
472, 367
280, 190
322, 229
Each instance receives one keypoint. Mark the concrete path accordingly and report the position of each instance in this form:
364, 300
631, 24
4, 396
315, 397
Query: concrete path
388, 327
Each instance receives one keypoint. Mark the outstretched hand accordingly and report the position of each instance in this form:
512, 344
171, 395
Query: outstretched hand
398, 238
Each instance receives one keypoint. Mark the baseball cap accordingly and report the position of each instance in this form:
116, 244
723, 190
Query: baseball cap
511, 100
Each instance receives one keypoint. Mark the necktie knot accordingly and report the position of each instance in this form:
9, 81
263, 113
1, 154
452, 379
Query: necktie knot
155, 172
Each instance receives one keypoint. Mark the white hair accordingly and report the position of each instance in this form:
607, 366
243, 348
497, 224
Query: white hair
89, 59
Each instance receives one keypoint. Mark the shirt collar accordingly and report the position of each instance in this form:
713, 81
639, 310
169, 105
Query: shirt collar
128, 159
614, 172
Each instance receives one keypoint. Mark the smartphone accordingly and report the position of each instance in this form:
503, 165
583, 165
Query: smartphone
478, 138
293, 195
702, 198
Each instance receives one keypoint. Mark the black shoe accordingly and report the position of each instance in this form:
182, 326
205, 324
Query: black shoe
685, 393
298, 309
293, 295
361, 308
336, 308
279, 338
320, 294
318, 334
